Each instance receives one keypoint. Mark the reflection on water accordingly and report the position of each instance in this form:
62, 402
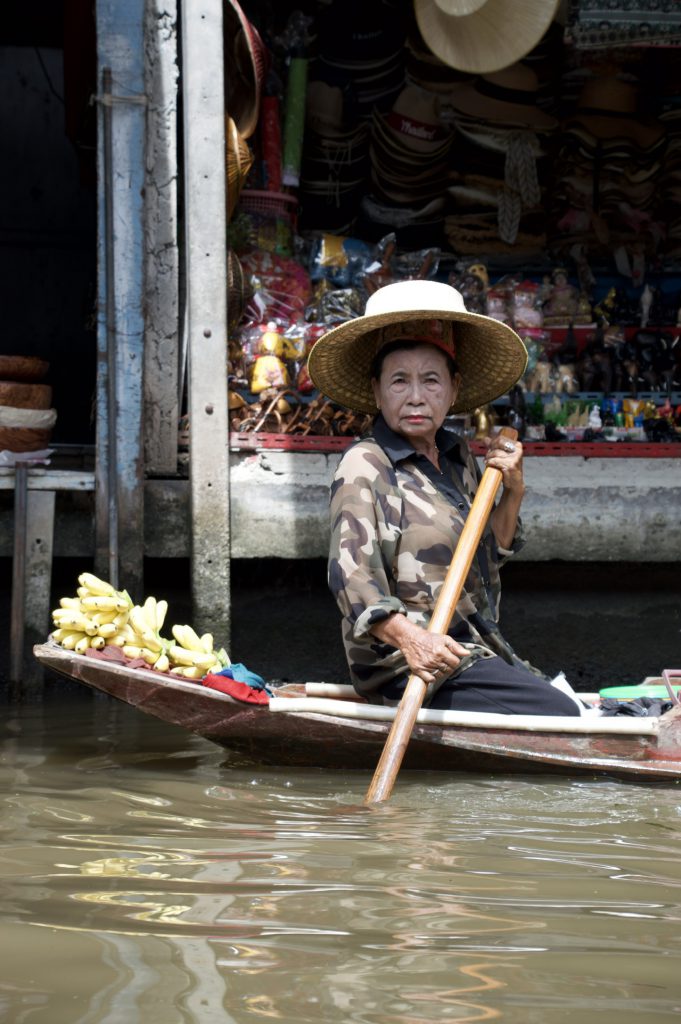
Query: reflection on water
146, 877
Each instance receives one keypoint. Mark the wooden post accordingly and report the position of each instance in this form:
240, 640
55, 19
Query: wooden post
120, 47
206, 296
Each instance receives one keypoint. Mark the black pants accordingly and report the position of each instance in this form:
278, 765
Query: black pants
491, 684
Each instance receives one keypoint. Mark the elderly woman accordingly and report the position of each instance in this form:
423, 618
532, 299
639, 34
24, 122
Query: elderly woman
400, 498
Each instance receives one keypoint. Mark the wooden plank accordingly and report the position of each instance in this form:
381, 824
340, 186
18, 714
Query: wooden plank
51, 480
206, 275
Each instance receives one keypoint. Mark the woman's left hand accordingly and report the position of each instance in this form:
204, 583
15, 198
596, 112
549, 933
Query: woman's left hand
507, 456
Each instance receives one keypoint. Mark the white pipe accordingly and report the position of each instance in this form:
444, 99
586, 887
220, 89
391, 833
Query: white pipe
473, 719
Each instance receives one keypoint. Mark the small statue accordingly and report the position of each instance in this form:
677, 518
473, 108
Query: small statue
565, 363
484, 421
595, 421
562, 305
645, 304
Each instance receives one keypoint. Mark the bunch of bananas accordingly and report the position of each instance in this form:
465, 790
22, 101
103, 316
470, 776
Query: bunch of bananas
193, 656
100, 615
93, 618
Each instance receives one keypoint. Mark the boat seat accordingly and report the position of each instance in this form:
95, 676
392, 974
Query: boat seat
35, 487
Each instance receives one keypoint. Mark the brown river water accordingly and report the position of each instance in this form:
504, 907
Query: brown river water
147, 876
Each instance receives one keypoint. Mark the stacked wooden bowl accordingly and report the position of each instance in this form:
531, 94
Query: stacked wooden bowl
26, 416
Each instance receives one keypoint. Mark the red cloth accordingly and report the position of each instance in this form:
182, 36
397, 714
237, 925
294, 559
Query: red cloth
239, 691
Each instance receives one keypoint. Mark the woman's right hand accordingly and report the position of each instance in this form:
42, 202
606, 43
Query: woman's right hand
430, 656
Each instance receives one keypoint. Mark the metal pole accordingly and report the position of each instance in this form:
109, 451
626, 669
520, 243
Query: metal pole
111, 475
18, 573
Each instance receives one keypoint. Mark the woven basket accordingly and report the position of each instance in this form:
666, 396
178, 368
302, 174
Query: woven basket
22, 368
239, 162
25, 396
23, 439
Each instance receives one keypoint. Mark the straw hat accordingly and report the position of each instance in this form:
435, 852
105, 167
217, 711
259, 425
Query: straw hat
490, 354
508, 96
246, 65
483, 35
239, 162
608, 108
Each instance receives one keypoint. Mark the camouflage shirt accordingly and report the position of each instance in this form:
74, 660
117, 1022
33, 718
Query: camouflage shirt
395, 522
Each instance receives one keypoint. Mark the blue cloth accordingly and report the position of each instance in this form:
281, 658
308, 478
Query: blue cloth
244, 675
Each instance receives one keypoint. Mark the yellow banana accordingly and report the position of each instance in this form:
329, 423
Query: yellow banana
193, 673
186, 637
81, 646
97, 642
161, 610
139, 622
182, 656
117, 641
132, 652
82, 592
75, 621
107, 630
70, 602
128, 633
102, 618
94, 585
105, 603
121, 618
151, 657
207, 642
149, 608
59, 634
162, 664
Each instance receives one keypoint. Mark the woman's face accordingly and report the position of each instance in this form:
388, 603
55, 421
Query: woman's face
415, 391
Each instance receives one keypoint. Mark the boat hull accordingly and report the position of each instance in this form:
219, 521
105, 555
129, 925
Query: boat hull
312, 740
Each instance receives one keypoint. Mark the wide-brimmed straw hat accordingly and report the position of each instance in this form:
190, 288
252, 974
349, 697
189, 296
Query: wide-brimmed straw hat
483, 35
490, 355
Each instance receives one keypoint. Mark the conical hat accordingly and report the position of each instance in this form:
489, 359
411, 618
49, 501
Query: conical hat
483, 35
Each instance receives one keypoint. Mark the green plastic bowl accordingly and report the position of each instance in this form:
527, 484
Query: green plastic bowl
631, 692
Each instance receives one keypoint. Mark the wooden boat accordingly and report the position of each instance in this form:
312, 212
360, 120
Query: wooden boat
301, 728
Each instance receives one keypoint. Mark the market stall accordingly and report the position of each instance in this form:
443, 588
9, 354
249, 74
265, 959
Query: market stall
537, 171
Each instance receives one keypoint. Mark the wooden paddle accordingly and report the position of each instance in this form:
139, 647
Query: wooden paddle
412, 698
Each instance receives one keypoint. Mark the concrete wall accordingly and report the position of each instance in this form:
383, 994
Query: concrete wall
576, 510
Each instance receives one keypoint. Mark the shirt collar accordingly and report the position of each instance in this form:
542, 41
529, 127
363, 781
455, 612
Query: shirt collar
397, 448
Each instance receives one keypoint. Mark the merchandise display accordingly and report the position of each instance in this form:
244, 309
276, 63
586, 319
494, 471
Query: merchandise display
366, 144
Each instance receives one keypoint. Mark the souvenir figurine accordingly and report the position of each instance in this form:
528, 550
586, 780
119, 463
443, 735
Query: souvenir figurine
595, 421
484, 421
525, 311
497, 307
564, 361
561, 307
645, 304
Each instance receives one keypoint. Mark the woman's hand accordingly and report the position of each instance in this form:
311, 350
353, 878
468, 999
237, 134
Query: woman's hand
430, 656
507, 456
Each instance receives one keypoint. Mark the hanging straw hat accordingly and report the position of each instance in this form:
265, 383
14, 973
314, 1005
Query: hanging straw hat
246, 65
483, 35
490, 355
